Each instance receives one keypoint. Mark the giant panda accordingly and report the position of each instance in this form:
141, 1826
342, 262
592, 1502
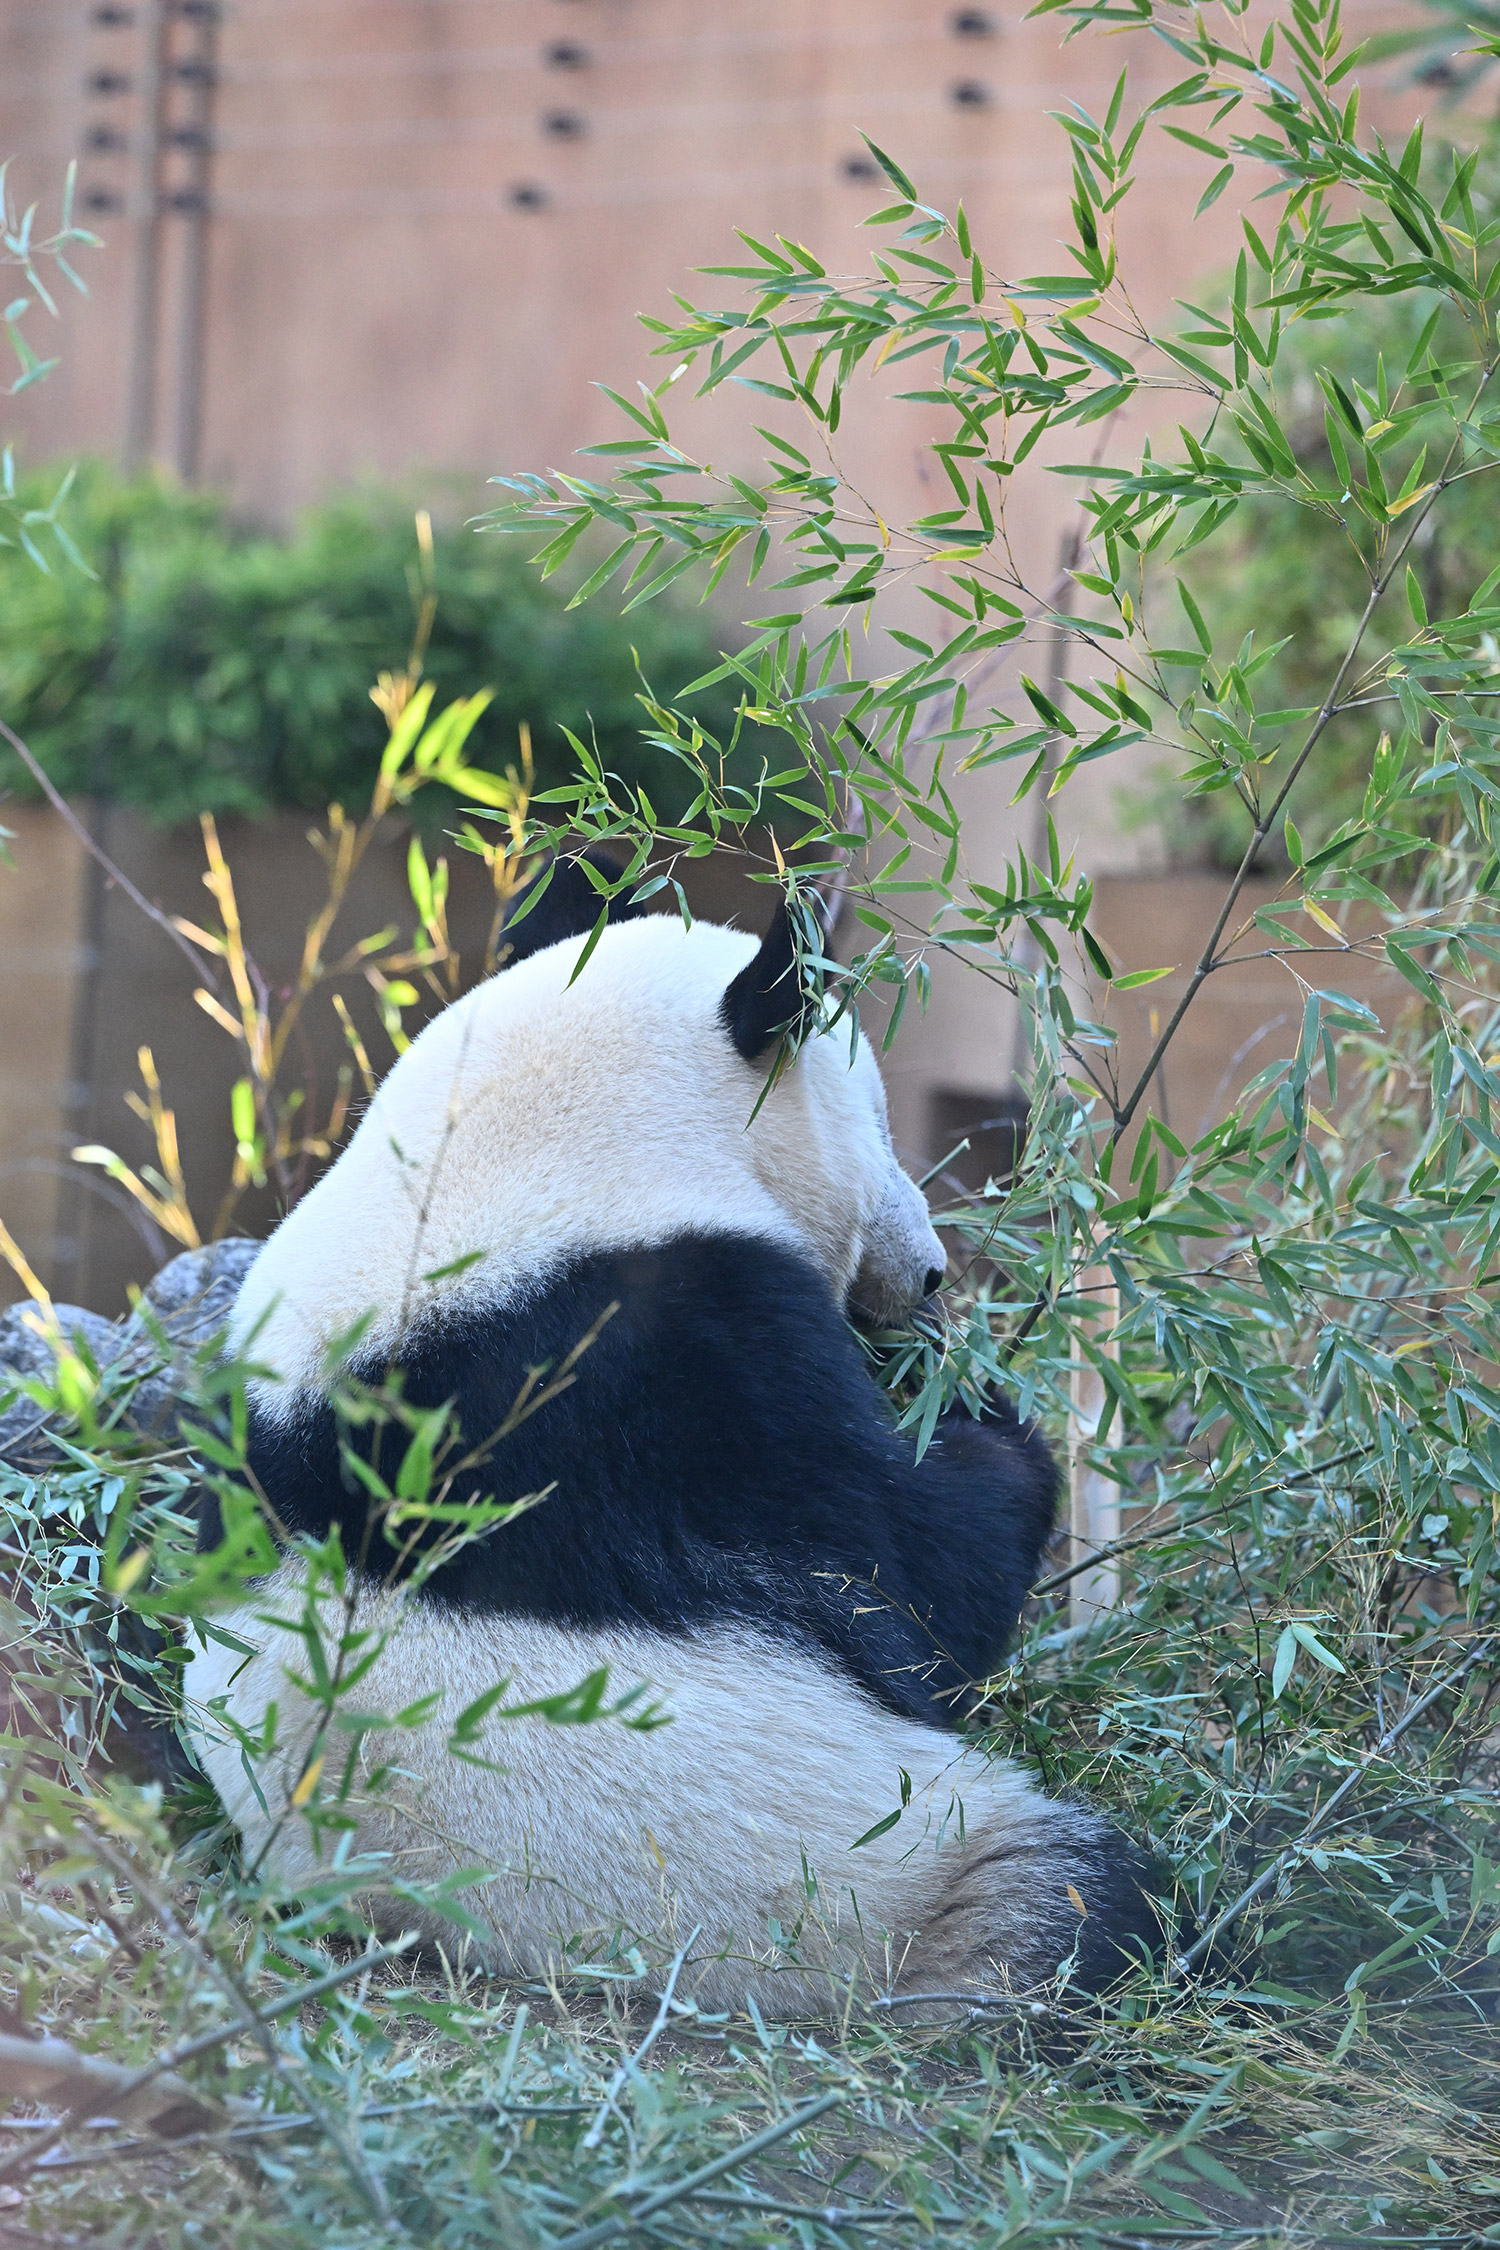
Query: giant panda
727, 1514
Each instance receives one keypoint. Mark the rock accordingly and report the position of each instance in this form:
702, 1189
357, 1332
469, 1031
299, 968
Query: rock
198, 1288
187, 1302
31, 1354
190, 1300
27, 1353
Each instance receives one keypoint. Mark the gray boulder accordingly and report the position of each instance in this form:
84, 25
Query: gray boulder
199, 1287
23, 1352
188, 1302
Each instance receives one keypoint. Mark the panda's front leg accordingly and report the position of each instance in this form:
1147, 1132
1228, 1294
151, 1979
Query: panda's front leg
970, 1531
1044, 1892
1010, 1474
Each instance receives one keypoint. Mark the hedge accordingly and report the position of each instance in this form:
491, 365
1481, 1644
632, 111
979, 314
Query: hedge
212, 665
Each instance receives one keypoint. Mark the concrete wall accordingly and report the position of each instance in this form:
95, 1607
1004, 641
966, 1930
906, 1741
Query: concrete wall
88, 980
379, 298
411, 270
43, 957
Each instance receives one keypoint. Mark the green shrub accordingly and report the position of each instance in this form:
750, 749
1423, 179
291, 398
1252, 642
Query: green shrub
211, 666
1295, 579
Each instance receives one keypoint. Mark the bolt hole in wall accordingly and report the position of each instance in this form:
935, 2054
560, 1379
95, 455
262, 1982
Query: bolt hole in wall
178, 37
571, 55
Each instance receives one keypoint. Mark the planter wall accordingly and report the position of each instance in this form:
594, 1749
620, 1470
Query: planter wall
88, 980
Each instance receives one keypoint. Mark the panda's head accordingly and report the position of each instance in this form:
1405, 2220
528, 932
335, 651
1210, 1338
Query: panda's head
550, 1114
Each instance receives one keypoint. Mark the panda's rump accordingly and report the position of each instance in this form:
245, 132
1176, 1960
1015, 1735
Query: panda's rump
739, 1827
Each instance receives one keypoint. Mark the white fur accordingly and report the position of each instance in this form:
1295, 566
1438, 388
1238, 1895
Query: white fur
536, 1118
771, 1768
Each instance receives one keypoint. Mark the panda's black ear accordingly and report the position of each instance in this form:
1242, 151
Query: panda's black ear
568, 908
766, 999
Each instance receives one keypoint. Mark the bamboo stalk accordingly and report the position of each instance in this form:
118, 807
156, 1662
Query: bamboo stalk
1093, 1500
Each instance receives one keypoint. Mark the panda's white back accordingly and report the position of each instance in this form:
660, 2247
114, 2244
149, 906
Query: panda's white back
541, 1116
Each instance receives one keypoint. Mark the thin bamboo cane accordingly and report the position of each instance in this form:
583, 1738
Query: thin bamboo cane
1093, 1500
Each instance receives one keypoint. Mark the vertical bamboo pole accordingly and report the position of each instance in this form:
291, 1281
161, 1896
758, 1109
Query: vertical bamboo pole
1093, 1501
200, 63
145, 279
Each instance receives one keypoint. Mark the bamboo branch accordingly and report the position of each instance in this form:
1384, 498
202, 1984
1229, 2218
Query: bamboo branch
1319, 1819
228, 2138
605, 2230
978, 2003
1145, 1534
60, 805
632, 2062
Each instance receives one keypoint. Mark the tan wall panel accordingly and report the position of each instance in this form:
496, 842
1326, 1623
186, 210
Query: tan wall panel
42, 953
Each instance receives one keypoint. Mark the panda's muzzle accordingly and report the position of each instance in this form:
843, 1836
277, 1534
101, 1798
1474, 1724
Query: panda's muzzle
902, 1261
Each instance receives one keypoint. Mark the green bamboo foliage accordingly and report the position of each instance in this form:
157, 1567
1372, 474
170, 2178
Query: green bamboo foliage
1294, 1699
1303, 1397
26, 522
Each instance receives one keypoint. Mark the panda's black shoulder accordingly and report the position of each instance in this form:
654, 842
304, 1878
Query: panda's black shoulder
711, 1446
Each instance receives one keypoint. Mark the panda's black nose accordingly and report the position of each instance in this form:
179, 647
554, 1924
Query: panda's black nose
934, 1281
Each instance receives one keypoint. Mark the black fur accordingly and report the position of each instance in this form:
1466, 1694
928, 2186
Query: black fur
567, 908
1118, 1891
1123, 1889
722, 1454
766, 999
761, 1004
